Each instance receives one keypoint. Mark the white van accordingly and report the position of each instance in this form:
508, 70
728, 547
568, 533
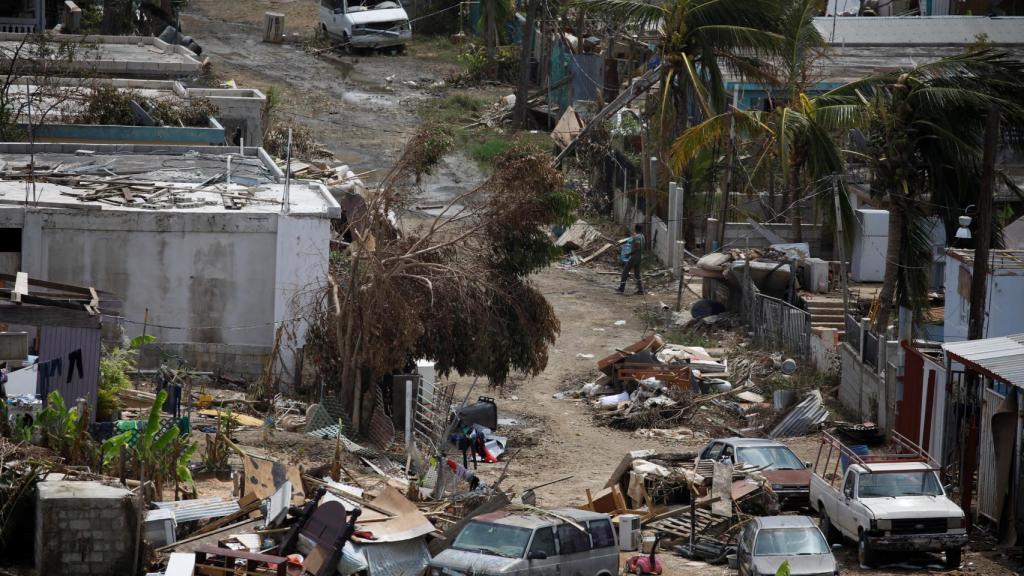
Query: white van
366, 23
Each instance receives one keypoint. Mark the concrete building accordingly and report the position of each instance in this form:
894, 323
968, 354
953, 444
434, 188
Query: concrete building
239, 111
1004, 306
122, 56
22, 16
84, 528
210, 265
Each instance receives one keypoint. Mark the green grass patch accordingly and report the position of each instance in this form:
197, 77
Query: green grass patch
485, 152
434, 47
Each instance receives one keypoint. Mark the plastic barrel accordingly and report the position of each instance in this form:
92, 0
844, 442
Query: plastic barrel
858, 449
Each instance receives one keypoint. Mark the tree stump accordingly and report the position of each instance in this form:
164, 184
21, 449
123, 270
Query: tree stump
273, 27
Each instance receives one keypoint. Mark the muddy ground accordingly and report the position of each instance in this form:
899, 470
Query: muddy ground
362, 108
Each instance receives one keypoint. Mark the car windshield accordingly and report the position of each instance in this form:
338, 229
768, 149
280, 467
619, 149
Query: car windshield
790, 542
493, 539
893, 484
771, 457
363, 5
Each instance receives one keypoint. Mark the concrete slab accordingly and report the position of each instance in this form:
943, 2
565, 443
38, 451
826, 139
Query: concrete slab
136, 56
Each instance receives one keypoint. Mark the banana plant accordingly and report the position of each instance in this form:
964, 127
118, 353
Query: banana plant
159, 457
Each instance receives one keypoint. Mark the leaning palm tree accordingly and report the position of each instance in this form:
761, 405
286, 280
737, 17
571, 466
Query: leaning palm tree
799, 134
696, 37
924, 144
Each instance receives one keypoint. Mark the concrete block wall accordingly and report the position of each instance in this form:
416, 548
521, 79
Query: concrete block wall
862, 390
235, 360
84, 529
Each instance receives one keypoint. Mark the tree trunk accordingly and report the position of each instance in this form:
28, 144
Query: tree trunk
797, 218
892, 263
490, 36
519, 114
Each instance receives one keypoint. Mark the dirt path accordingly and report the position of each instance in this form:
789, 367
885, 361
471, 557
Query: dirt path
362, 108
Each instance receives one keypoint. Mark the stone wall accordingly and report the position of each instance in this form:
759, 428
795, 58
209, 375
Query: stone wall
84, 528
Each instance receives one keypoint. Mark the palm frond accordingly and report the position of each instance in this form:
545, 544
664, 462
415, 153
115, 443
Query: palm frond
627, 12
697, 138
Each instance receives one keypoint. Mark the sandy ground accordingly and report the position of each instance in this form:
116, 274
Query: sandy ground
362, 109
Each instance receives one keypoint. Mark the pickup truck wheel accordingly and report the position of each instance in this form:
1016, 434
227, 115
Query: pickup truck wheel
953, 557
865, 555
832, 535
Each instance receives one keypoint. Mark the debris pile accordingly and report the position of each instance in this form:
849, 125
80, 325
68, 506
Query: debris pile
656, 389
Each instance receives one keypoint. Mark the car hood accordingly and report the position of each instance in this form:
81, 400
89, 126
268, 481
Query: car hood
474, 562
815, 564
371, 16
912, 507
788, 477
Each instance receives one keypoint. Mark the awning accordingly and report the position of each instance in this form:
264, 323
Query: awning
999, 358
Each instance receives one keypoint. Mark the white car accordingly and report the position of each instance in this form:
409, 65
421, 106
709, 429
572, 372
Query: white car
366, 23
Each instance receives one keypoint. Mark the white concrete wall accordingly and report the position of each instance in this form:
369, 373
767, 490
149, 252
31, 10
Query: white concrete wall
302, 256
1004, 302
204, 277
861, 389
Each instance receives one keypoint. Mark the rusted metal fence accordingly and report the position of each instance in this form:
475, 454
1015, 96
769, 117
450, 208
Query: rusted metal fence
775, 323
778, 324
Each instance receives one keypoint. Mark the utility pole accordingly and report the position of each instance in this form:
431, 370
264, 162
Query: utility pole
841, 248
522, 91
976, 323
983, 237
728, 173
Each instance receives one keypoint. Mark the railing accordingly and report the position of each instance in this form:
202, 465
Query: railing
18, 25
870, 355
775, 323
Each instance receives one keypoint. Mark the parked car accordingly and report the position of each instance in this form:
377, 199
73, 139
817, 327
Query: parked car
897, 504
366, 23
790, 478
526, 543
768, 541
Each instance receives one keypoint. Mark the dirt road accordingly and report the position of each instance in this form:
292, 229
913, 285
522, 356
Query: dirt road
363, 109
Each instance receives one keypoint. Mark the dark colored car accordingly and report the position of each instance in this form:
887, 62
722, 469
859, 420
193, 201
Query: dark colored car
790, 478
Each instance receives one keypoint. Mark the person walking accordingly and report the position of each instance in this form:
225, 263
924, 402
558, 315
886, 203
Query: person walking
632, 252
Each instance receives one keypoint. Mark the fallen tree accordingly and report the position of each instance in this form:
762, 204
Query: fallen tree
453, 287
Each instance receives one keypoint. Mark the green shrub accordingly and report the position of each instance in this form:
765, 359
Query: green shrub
486, 151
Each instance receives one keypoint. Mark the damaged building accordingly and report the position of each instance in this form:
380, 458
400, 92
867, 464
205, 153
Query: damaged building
211, 251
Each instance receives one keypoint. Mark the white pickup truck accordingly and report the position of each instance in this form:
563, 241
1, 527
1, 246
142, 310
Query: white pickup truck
886, 503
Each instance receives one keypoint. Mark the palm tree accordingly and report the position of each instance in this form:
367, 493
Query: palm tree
924, 144
695, 38
797, 134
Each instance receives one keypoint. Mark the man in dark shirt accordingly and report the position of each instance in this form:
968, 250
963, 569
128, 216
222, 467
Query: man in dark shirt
632, 252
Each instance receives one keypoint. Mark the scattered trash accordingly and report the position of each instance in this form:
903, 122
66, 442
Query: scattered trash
620, 322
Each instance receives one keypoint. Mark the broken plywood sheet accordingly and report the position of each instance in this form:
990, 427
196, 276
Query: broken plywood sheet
652, 343
240, 419
568, 128
407, 522
578, 236
265, 477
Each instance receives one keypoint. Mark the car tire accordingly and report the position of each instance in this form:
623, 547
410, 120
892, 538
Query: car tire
953, 557
865, 555
346, 45
832, 535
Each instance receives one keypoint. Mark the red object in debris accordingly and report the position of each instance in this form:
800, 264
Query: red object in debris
364, 534
645, 564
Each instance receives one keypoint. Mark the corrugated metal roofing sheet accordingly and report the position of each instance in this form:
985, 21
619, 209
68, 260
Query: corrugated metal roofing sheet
189, 510
1000, 358
809, 412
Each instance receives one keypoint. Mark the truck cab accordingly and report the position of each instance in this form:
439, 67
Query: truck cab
365, 23
885, 503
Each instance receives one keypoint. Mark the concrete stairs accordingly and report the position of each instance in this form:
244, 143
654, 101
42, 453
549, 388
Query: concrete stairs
827, 312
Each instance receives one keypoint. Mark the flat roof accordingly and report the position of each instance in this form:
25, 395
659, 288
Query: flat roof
999, 358
999, 259
150, 178
144, 56
920, 30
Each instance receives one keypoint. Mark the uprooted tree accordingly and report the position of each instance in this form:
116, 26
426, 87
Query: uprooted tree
454, 288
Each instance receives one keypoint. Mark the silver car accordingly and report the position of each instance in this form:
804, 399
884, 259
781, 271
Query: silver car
766, 542
521, 543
